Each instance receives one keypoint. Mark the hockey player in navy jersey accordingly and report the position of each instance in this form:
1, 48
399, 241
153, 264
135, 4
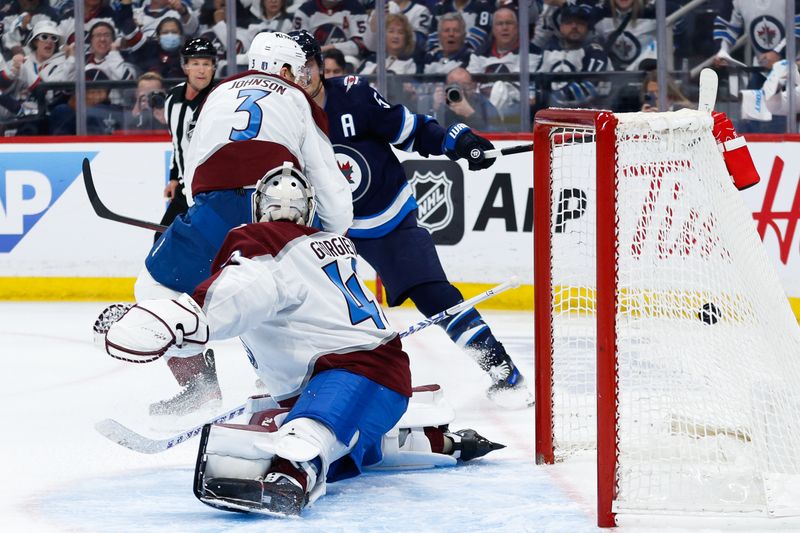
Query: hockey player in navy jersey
364, 126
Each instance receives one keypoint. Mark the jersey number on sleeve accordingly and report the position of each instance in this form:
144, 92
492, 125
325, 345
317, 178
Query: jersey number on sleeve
359, 307
254, 112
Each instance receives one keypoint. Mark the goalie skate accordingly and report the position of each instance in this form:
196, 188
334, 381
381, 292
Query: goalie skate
201, 392
468, 444
277, 495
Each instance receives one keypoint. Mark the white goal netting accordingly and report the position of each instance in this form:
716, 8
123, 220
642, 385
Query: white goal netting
708, 350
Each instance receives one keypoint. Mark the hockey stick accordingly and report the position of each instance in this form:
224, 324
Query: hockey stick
116, 432
707, 96
519, 149
104, 212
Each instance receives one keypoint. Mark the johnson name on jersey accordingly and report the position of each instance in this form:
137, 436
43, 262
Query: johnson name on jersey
251, 123
291, 293
363, 129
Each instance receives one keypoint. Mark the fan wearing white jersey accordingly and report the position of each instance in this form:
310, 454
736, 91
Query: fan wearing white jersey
249, 123
321, 344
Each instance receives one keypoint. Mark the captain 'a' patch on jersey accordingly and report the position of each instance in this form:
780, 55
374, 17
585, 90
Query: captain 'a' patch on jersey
355, 169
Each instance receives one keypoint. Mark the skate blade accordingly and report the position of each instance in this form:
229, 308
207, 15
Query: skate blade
228, 505
518, 398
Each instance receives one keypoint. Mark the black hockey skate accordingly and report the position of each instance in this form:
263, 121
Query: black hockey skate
277, 494
200, 390
468, 444
508, 382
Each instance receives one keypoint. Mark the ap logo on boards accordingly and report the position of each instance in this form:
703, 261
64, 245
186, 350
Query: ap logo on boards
30, 183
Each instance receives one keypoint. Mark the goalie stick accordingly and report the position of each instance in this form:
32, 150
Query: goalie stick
104, 212
118, 433
707, 95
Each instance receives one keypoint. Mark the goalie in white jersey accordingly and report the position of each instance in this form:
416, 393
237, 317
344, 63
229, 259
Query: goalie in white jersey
249, 123
322, 346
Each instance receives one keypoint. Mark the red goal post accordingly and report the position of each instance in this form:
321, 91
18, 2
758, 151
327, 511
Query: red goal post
663, 338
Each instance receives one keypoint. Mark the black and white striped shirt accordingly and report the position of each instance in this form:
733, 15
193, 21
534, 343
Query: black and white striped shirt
181, 115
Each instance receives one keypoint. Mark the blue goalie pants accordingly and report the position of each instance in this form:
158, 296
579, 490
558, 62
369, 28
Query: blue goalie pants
346, 403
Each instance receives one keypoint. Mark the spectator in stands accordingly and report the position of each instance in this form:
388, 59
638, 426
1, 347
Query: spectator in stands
148, 110
215, 30
43, 62
627, 32
399, 48
340, 24
419, 18
92, 9
572, 51
453, 51
460, 101
503, 56
20, 18
549, 19
101, 35
160, 54
271, 15
675, 98
153, 12
334, 64
102, 117
477, 17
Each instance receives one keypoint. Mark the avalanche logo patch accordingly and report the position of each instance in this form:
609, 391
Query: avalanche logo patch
30, 183
355, 169
439, 189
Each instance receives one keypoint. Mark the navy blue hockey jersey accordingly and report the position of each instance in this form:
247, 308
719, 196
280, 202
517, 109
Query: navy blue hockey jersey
363, 129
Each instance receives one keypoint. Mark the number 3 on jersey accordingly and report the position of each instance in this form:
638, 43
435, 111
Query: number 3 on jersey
359, 307
254, 112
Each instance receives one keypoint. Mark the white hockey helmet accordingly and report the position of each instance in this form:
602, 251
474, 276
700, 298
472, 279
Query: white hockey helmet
284, 193
45, 27
271, 51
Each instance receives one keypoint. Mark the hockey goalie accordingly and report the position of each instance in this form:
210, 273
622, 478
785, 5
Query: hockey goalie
341, 399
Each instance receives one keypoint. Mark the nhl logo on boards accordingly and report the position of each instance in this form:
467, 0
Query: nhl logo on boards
439, 190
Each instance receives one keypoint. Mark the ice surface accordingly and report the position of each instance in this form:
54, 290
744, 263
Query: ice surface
61, 475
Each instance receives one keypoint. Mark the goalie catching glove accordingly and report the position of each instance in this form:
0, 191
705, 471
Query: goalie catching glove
154, 327
460, 142
734, 152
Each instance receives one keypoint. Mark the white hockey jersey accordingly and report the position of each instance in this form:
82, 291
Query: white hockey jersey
761, 20
252, 123
637, 41
292, 296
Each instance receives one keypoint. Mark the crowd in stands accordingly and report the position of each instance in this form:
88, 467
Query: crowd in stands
460, 57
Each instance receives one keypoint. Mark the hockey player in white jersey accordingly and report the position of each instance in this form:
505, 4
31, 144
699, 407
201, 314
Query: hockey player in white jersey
249, 123
339, 378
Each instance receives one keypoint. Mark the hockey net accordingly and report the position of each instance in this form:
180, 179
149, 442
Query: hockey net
663, 337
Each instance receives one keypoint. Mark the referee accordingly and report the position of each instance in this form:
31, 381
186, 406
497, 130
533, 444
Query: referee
199, 62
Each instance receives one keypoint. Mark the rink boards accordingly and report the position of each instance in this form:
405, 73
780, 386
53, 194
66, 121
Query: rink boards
53, 246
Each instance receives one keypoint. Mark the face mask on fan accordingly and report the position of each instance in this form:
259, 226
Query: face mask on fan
169, 41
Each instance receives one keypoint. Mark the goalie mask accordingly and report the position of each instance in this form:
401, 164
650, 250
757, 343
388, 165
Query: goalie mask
284, 194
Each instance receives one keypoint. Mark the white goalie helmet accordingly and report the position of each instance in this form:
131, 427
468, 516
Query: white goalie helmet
284, 193
270, 51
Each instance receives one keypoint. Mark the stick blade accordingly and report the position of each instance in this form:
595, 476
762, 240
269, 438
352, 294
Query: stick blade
119, 434
707, 96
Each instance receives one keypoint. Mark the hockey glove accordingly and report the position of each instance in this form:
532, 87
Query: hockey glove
461, 143
154, 327
734, 152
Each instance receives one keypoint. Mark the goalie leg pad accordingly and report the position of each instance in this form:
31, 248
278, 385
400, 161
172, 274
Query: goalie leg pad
147, 288
153, 327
